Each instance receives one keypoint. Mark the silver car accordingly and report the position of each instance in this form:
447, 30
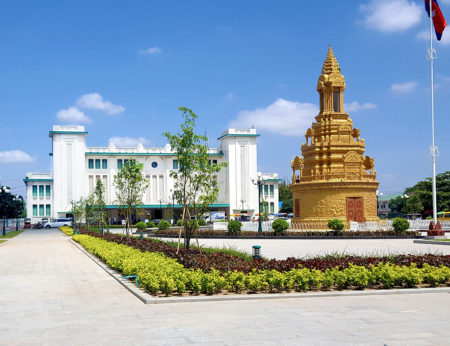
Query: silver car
55, 223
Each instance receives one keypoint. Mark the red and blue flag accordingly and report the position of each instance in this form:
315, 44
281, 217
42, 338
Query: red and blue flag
438, 18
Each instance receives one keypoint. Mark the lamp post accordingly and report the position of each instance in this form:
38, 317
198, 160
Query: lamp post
160, 208
379, 195
173, 209
259, 182
404, 197
4, 190
242, 204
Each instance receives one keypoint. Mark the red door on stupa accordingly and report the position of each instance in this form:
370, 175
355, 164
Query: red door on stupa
355, 209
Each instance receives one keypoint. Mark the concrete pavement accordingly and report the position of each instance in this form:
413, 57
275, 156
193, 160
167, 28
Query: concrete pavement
53, 294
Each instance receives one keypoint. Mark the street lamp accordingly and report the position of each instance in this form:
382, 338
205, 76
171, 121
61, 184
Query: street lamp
242, 204
259, 182
404, 197
160, 208
379, 195
4, 190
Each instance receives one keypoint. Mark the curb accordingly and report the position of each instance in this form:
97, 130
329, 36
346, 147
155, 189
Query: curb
432, 242
149, 299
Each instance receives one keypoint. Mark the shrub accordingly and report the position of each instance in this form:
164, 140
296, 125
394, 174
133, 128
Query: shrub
163, 224
234, 227
141, 226
179, 222
336, 225
201, 222
400, 225
279, 226
151, 224
67, 230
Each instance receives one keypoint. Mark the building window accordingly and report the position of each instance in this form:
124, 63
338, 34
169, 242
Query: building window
214, 162
41, 191
34, 210
119, 163
47, 210
125, 161
91, 163
271, 190
175, 164
34, 191
336, 101
266, 190
321, 103
47, 191
272, 207
104, 164
97, 163
41, 210
154, 164
297, 208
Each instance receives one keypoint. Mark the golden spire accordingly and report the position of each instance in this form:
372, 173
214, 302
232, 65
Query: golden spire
330, 65
331, 73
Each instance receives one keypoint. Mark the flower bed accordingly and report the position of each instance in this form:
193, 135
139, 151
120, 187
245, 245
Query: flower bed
67, 230
210, 233
159, 274
225, 262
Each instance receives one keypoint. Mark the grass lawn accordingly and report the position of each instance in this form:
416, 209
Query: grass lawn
10, 234
440, 239
2, 241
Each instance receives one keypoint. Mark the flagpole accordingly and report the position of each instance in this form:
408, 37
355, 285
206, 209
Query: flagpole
433, 148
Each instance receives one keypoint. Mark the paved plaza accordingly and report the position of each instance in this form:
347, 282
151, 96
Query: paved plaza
53, 294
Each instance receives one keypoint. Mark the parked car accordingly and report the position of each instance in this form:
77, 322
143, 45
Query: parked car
156, 221
55, 223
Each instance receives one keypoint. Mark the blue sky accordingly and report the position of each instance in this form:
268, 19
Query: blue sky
122, 69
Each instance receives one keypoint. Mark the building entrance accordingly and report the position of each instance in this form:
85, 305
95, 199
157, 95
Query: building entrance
355, 209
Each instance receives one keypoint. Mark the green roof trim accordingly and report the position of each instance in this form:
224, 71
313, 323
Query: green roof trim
138, 154
27, 179
51, 133
238, 135
272, 179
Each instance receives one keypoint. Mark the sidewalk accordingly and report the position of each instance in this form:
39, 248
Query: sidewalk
53, 294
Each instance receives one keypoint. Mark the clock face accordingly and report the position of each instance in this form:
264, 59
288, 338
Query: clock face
154, 164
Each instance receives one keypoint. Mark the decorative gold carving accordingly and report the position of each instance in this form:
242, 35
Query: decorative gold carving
333, 165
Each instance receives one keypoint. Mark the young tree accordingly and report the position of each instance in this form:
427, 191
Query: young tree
285, 196
195, 179
413, 205
130, 184
99, 203
78, 212
88, 210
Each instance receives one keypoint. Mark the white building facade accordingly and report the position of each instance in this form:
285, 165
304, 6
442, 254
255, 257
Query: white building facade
77, 167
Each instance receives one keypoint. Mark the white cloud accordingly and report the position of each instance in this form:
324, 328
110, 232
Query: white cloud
73, 115
128, 142
151, 50
355, 106
95, 101
425, 35
15, 156
402, 88
391, 15
283, 116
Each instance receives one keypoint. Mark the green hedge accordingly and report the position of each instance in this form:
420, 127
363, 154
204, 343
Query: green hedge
159, 274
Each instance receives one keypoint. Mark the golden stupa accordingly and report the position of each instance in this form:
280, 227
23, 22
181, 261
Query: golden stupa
333, 179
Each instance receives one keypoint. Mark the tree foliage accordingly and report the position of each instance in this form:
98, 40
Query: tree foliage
130, 184
285, 196
99, 203
11, 206
195, 183
421, 196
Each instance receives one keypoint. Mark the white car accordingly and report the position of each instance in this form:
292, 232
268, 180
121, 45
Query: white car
55, 223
